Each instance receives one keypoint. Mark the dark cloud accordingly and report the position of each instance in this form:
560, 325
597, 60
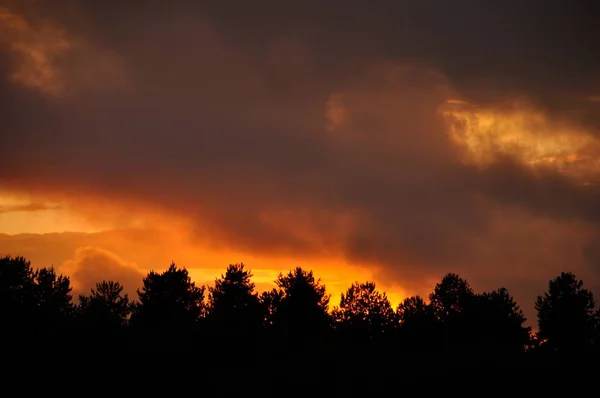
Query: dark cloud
531, 45
301, 127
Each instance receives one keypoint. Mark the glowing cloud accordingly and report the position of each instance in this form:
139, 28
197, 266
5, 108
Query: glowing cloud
92, 264
527, 134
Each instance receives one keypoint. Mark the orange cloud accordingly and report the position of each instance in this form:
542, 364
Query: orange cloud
527, 134
92, 264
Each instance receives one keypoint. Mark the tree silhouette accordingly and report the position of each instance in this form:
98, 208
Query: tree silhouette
303, 309
234, 307
567, 315
106, 308
18, 306
450, 296
270, 301
54, 299
290, 325
497, 324
33, 301
364, 313
418, 323
449, 301
169, 303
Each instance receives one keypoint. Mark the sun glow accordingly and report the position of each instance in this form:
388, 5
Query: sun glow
106, 241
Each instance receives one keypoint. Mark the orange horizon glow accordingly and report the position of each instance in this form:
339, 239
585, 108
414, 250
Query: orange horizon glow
203, 262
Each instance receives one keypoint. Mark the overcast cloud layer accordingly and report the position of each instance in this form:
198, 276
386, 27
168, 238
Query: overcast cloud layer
317, 127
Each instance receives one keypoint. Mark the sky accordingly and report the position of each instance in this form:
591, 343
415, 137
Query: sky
393, 141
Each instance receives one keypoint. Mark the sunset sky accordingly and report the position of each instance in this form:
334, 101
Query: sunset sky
392, 141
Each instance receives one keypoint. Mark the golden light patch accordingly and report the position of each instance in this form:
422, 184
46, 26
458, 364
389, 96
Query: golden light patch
30, 214
335, 274
526, 134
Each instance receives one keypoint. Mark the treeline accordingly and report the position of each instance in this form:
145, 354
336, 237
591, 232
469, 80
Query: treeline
293, 322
